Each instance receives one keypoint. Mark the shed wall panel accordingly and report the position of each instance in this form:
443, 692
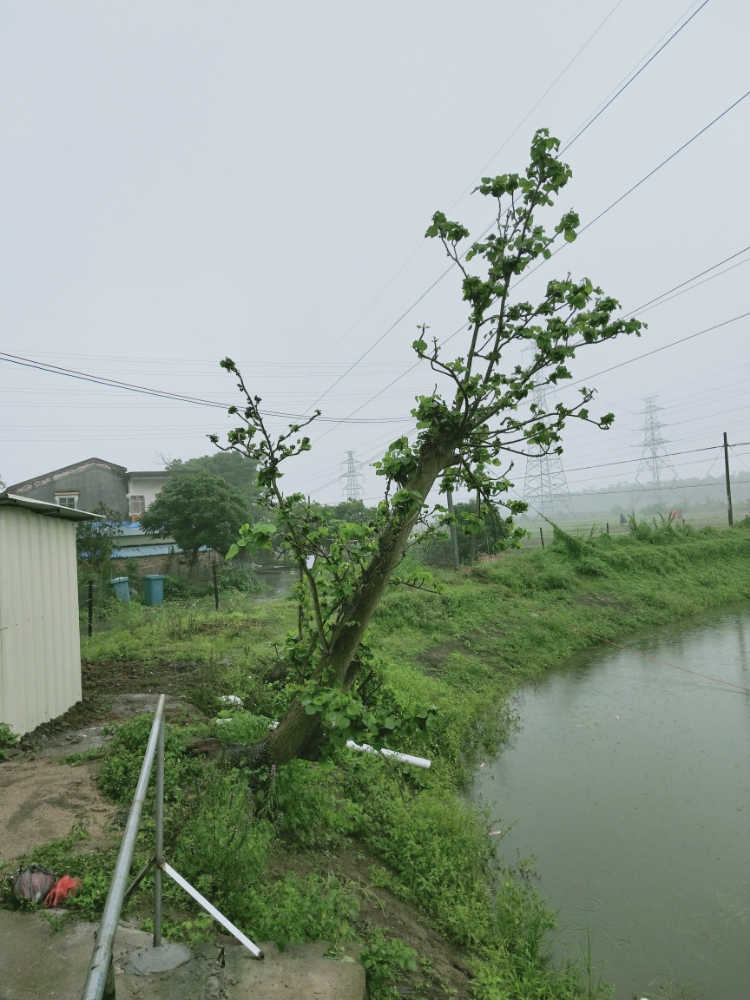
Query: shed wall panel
40, 652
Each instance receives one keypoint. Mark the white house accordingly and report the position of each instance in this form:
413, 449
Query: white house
143, 488
40, 649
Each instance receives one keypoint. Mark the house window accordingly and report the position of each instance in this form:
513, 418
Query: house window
137, 505
67, 500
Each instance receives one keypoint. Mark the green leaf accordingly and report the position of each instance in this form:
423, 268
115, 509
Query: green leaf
233, 550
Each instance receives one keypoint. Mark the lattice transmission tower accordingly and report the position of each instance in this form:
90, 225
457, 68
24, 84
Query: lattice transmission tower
545, 488
654, 458
352, 478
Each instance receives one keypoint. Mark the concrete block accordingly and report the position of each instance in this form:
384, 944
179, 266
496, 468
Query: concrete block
300, 972
146, 961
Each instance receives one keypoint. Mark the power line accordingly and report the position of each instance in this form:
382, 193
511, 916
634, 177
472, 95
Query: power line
527, 116
652, 303
662, 164
541, 263
629, 461
493, 157
569, 385
529, 273
666, 486
382, 336
656, 350
164, 394
635, 186
578, 134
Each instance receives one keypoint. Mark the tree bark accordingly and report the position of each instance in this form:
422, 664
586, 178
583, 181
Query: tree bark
298, 733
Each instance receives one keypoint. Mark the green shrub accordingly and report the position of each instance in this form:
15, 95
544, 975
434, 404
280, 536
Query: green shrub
176, 588
123, 759
310, 808
386, 959
556, 579
8, 739
222, 848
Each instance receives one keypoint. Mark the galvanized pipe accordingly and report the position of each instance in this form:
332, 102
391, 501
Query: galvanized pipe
101, 960
159, 820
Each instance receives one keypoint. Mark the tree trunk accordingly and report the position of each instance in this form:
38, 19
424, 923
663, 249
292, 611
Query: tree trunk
298, 733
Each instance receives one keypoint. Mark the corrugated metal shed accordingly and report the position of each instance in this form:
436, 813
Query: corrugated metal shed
40, 651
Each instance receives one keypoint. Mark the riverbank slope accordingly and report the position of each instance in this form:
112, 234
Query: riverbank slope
370, 849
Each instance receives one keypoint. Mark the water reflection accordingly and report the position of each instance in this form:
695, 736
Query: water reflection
628, 783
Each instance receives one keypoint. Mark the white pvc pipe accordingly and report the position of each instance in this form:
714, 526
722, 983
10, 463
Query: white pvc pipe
252, 948
405, 758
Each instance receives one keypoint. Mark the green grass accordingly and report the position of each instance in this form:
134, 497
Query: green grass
503, 624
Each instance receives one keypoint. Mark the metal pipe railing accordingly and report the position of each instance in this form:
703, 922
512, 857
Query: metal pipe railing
100, 981
159, 835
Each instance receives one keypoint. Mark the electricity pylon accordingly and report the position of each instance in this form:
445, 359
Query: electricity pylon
353, 488
654, 458
545, 488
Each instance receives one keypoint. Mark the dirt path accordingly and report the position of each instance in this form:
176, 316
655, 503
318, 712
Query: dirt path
41, 799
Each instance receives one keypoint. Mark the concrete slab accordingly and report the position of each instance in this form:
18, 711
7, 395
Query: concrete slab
46, 957
146, 961
300, 972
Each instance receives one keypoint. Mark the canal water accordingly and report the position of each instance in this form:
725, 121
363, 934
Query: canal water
627, 782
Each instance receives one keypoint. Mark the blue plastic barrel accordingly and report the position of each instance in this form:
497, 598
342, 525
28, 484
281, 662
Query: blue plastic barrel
121, 587
153, 589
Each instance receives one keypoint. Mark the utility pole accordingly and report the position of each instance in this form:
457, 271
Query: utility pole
729, 488
454, 533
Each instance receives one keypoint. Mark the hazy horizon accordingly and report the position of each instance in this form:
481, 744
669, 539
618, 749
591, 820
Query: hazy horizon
182, 183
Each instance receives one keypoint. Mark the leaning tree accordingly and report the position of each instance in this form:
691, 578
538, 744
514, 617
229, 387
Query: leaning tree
464, 437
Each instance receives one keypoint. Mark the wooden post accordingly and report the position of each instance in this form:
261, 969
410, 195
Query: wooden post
607, 527
216, 586
473, 553
91, 606
541, 535
453, 532
729, 488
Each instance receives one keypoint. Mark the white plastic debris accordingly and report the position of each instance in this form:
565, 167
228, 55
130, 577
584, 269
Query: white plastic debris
231, 699
405, 758
310, 562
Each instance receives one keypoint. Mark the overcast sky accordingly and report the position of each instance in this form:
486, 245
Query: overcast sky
184, 181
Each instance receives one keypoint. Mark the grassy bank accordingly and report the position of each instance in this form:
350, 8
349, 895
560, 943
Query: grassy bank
264, 845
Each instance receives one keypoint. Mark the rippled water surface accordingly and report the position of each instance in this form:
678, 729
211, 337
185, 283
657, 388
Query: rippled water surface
628, 782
